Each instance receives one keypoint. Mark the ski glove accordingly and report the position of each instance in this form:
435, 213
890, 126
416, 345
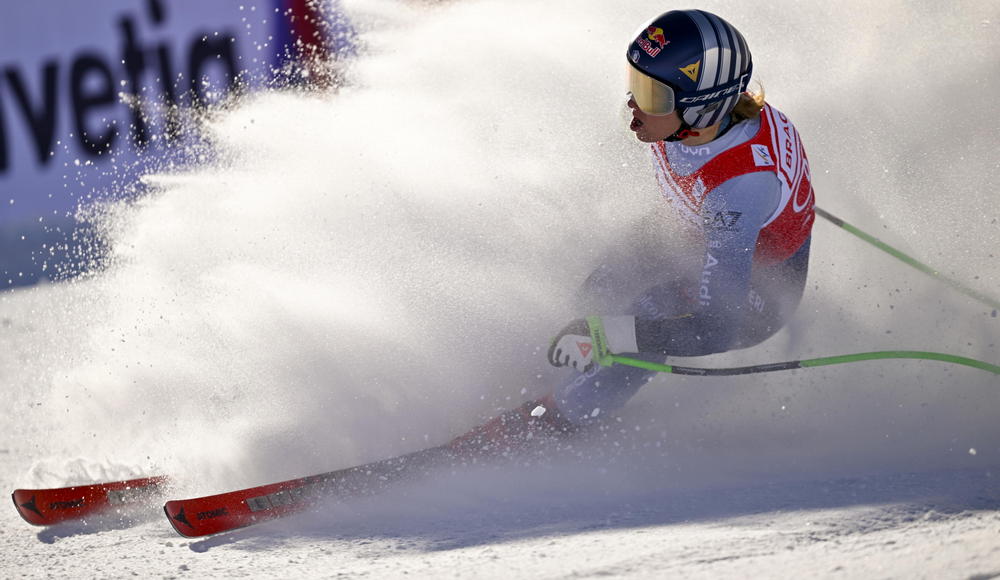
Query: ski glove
583, 342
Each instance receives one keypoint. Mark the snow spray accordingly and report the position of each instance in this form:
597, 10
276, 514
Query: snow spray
376, 270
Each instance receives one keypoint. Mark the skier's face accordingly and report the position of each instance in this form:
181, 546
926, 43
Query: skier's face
652, 128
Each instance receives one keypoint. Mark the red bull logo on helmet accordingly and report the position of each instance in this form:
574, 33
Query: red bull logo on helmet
654, 34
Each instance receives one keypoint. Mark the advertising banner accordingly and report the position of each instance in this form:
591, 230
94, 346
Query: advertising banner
95, 94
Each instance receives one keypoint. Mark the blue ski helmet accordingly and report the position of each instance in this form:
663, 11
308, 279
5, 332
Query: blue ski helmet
692, 61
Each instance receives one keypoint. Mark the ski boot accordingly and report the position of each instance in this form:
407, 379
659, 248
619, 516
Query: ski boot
513, 432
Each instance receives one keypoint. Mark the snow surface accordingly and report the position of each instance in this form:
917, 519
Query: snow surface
373, 272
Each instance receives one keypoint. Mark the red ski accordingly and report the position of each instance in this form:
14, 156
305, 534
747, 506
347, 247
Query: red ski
45, 507
224, 512
508, 434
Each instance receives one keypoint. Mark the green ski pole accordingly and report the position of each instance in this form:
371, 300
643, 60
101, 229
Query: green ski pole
993, 303
799, 364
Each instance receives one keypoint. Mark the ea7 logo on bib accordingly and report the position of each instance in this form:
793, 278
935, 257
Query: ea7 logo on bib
761, 156
724, 220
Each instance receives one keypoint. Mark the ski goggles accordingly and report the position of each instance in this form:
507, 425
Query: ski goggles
652, 96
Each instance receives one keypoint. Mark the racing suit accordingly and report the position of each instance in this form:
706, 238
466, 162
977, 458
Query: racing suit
746, 202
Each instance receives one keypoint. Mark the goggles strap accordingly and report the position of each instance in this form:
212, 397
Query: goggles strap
713, 94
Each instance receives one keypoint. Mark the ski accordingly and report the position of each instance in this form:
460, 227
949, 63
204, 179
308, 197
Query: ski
232, 510
45, 507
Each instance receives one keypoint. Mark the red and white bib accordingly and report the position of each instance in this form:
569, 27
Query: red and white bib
776, 147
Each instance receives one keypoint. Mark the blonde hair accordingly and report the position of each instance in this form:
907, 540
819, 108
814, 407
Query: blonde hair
749, 105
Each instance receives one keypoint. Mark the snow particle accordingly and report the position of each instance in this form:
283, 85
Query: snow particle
972, 451
595, 412
538, 411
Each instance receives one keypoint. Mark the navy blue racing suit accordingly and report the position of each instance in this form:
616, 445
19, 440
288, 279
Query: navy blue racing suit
738, 280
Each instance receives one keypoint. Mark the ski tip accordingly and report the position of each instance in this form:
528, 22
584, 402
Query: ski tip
49, 506
30, 518
26, 507
178, 519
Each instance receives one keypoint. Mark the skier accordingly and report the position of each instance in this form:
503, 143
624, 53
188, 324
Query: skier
736, 176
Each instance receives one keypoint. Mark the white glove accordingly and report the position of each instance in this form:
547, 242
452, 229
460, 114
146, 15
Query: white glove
582, 342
